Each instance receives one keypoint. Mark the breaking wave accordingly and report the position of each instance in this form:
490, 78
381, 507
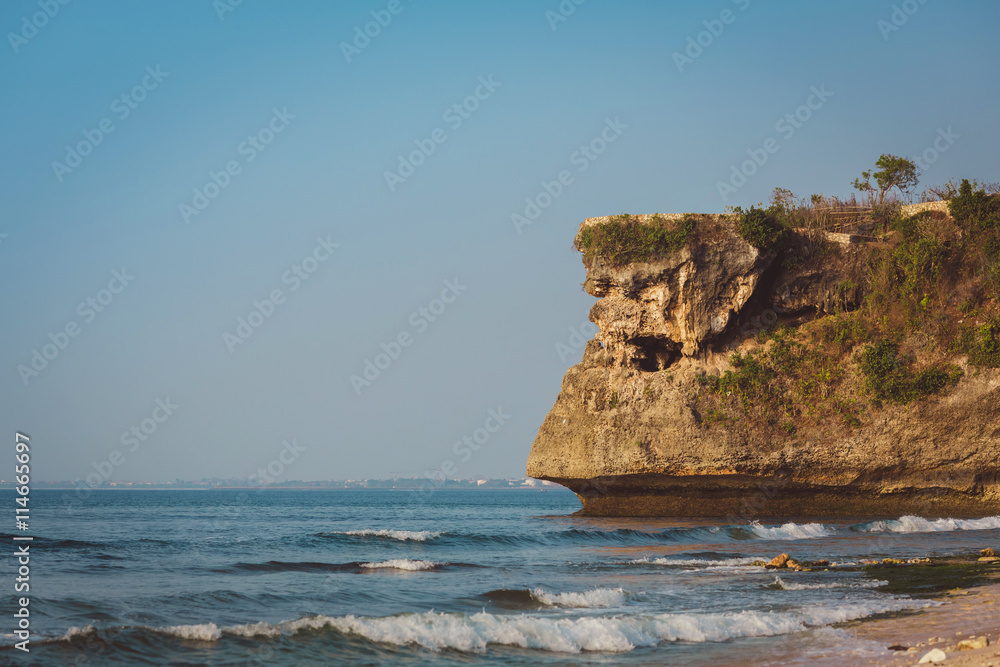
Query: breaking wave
790, 531
402, 535
475, 633
697, 562
916, 524
781, 584
674, 535
355, 567
598, 597
402, 564
205, 632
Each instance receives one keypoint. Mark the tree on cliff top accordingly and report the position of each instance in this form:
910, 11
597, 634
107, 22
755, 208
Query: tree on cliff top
893, 172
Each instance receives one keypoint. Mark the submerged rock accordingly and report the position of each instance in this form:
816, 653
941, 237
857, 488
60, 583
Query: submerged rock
778, 561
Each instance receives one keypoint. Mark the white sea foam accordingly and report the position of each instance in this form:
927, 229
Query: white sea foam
699, 562
206, 632
916, 524
438, 631
261, 629
402, 564
76, 631
414, 535
598, 597
790, 531
72, 633
792, 586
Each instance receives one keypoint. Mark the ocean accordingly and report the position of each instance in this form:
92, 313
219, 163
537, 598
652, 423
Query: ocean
454, 577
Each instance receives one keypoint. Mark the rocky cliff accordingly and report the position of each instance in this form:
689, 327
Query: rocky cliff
731, 380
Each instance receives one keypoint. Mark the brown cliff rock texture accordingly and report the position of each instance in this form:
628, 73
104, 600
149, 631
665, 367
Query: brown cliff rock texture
629, 435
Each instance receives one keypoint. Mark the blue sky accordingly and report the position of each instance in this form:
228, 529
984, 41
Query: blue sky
226, 79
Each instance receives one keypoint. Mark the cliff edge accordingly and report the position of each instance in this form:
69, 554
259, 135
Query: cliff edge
756, 364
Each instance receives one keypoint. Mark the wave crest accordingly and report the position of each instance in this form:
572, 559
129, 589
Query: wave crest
790, 531
76, 631
474, 633
792, 586
598, 597
699, 562
402, 564
618, 634
402, 535
916, 524
205, 632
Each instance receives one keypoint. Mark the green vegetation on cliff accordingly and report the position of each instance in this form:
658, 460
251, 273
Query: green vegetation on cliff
812, 357
890, 377
764, 228
930, 301
792, 379
625, 239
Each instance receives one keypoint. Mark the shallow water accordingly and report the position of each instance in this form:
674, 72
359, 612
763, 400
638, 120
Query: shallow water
282, 577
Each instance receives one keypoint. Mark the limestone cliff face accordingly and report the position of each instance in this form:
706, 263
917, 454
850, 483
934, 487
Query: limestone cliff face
628, 435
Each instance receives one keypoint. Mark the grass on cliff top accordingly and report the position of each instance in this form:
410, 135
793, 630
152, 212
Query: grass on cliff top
624, 239
766, 229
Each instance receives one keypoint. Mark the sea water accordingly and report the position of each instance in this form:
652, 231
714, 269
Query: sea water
452, 577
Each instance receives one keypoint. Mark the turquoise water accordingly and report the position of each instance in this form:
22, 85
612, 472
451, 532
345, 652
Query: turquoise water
458, 577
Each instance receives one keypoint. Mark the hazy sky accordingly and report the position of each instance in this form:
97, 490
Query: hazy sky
176, 163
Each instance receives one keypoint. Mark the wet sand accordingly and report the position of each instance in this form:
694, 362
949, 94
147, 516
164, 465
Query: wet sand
963, 614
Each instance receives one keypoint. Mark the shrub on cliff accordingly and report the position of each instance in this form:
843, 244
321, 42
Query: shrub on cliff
972, 208
624, 239
763, 228
749, 382
920, 263
793, 377
889, 376
885, 213
982, 344
912, 279
843, 330
949, 190
978, 215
